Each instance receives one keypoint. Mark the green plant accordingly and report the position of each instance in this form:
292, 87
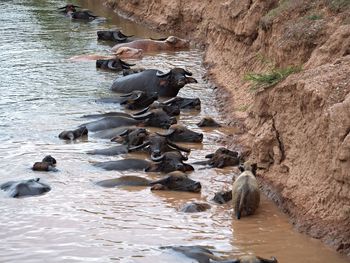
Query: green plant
315, 17
265, 80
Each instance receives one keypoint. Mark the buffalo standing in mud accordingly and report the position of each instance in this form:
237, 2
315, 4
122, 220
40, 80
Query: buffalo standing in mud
174, 181
245, 192
166, 163
152, 80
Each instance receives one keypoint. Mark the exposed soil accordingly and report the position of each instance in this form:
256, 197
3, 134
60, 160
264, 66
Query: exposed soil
298, 131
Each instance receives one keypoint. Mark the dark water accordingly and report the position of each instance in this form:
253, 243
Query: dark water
42, 93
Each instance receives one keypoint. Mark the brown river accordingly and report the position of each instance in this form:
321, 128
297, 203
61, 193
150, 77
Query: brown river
43, 93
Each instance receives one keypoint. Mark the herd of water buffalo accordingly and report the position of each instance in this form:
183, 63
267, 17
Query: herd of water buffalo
152, 96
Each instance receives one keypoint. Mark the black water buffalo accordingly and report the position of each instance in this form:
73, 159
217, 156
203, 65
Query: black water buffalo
194, 207
47, 164
74, 134
166, 163
184, 103
129, 138
114, 64
179, 133
222, 197
152, 80
174, 181
204, 255
25, 188
208, 122
154, 118
169, 109
221, 158
157, 145
114, 35
133, 101
68, 7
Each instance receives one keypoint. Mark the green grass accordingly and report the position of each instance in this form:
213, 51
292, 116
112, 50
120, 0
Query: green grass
315, 17
265, 80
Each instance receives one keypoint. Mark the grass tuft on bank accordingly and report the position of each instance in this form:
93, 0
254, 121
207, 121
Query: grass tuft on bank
271, 78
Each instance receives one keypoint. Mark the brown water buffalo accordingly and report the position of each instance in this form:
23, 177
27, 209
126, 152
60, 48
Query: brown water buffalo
122, 53
179, 133
157, 145
133, 101
174, 181
114, 35
166, 163
23, 188
152, 80
47, 164
204, 255
148, 45
128, 52
129, 138
221, 158
114, 64
208, 122
73, 134
245, 193
154, 118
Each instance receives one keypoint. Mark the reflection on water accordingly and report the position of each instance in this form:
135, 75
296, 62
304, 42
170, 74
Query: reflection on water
42, 93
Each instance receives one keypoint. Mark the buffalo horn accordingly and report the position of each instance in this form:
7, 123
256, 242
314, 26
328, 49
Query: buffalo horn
168, 133
143, 116
141, 111
118, 37
125, 132
159, 39
180, 148
272, 260
157, 159
126, 64
126, 95
159, 74
169, 101
123, 35
187, 73
64, 7
110, 64
145, 144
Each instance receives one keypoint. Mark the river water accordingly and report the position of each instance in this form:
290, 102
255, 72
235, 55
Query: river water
43, 93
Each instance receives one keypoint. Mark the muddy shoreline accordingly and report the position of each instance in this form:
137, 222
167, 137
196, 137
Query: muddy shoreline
298, 130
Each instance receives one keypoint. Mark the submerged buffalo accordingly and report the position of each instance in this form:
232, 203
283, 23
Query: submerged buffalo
245, 192
129, 138
169, 109
74, 134
157, 145
174, 181
194, 207
152, 80
155, 118
222, 197
149, 45
133, 101
208, 122
221, 158
204, 255
179, 133
25, 188
47, 164
166, 163
114, 35
114, 64
68, 8
184, 103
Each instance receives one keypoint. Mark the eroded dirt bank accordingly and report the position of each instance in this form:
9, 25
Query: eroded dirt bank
297, 130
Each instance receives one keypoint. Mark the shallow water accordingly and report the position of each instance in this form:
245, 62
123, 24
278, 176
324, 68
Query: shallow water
43, 93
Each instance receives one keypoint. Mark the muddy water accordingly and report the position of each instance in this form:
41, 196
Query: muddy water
42, 93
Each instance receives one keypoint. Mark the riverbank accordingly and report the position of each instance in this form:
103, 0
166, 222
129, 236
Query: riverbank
297, 130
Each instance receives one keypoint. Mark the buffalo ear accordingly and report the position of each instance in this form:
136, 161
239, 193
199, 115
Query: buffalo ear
117, 37
191, 80
210, 155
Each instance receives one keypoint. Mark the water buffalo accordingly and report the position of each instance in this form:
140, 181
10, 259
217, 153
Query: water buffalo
128, 52
154, 118
174, 181
245, 193
74, 134
158, 145
222, 197
113, 35
47, 164
179, 133
114, 64
166, 163
151, 80
184, 103
148, 45
131, 71
221, 158
169, 109
133, 101
204, 255
129, 138
194, 207
25, 188
208, 122
68, 7
70, 10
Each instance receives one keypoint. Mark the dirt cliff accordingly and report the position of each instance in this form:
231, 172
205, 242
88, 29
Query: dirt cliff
297, 126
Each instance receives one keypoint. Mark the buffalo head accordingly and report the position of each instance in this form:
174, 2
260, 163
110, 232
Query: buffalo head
158, 145
156, 118
138, 99
179, 133
68, 8
176, 181
169, 109
132, 137
112, 35
208, 122
176, 42
184, 103
114, 64
223, 157
168, 162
